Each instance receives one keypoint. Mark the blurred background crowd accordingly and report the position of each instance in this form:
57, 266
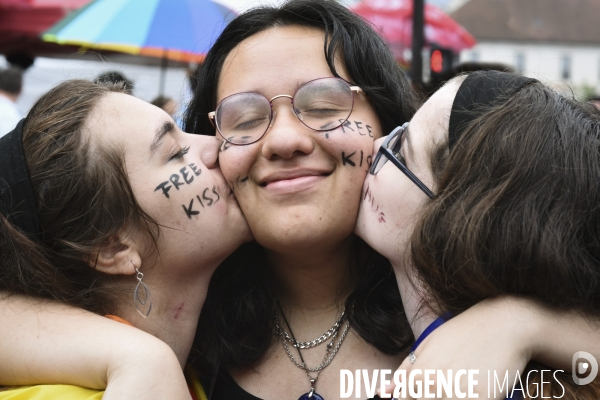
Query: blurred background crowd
156, 45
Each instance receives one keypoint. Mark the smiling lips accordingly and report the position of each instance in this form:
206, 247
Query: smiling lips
293, 181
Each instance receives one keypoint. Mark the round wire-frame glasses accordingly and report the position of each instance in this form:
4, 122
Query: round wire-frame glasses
389, 148
338, 90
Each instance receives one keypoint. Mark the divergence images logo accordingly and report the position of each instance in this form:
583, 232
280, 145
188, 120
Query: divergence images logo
585, 368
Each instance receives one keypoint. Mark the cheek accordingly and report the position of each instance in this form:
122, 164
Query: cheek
182, 195
356, 125
389, 210
373, 206
374, 220
352, 143
236, 162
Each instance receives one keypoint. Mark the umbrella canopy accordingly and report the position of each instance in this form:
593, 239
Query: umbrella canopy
22, 22
241, 6
180, 30
393, 19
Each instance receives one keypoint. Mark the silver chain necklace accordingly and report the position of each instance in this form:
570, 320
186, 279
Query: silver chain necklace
327, 358
311, 343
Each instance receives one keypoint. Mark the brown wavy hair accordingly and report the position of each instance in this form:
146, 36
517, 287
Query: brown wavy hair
517, 209
83, 198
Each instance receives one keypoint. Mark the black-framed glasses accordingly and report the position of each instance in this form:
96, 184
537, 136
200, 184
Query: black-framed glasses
390, 149
322, 104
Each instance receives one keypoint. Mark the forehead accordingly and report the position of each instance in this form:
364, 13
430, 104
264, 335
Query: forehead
275, 61
433, 118
121, 120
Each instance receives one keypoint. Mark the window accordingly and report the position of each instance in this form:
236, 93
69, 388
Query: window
565, 67
520, 62
475, 56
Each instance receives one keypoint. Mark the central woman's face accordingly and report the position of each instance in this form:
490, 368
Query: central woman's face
298, 188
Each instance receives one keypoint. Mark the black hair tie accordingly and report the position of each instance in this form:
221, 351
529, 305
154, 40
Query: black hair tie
17, 202
478, 91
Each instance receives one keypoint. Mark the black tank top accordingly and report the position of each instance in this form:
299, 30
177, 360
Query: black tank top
227, 389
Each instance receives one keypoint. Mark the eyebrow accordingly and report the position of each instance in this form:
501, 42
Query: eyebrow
164, 129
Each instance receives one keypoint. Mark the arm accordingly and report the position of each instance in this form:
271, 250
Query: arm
561, 334
47, 342
528, 329
504, 335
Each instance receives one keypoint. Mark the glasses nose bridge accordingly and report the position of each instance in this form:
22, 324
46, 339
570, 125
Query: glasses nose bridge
274, 113
279, 96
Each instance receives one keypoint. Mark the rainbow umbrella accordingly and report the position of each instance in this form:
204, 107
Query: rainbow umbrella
180, 30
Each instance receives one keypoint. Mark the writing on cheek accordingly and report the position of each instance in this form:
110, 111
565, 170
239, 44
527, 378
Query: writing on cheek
225, 145
352, 159
175, 180
238, 183
369, 199
346, 126
210, 197
357, 126
187, 177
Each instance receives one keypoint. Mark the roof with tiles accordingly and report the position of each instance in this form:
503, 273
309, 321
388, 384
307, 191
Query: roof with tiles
570, 21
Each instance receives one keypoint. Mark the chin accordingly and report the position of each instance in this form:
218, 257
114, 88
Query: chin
368, 234
241, 231
248, 237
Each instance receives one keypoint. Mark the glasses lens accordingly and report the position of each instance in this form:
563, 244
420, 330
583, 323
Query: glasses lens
392, 143
323, 104
243, 118
379, 162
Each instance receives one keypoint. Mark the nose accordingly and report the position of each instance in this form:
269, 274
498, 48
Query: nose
287, 136
209, 149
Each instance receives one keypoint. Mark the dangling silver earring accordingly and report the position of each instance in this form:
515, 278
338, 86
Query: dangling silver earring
142, 299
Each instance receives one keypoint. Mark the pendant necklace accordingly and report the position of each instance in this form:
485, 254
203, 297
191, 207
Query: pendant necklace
330, 350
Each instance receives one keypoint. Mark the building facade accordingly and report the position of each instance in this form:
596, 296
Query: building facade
556, 41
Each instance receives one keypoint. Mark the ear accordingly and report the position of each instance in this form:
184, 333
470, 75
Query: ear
118, 257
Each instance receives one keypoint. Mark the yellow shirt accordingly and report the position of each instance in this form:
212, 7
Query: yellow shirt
45, 392
69, 392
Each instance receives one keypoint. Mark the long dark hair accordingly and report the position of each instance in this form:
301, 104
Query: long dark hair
530, 216
236, 324
517, 211
84, 200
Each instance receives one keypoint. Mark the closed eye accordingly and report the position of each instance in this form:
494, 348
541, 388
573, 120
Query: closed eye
179, 155
248, 125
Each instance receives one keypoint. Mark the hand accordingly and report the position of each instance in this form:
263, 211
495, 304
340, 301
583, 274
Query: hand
493, 337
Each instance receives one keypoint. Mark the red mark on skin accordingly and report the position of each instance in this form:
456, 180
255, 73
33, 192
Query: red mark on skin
366, 193
382, 217
370, 199
178, 310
